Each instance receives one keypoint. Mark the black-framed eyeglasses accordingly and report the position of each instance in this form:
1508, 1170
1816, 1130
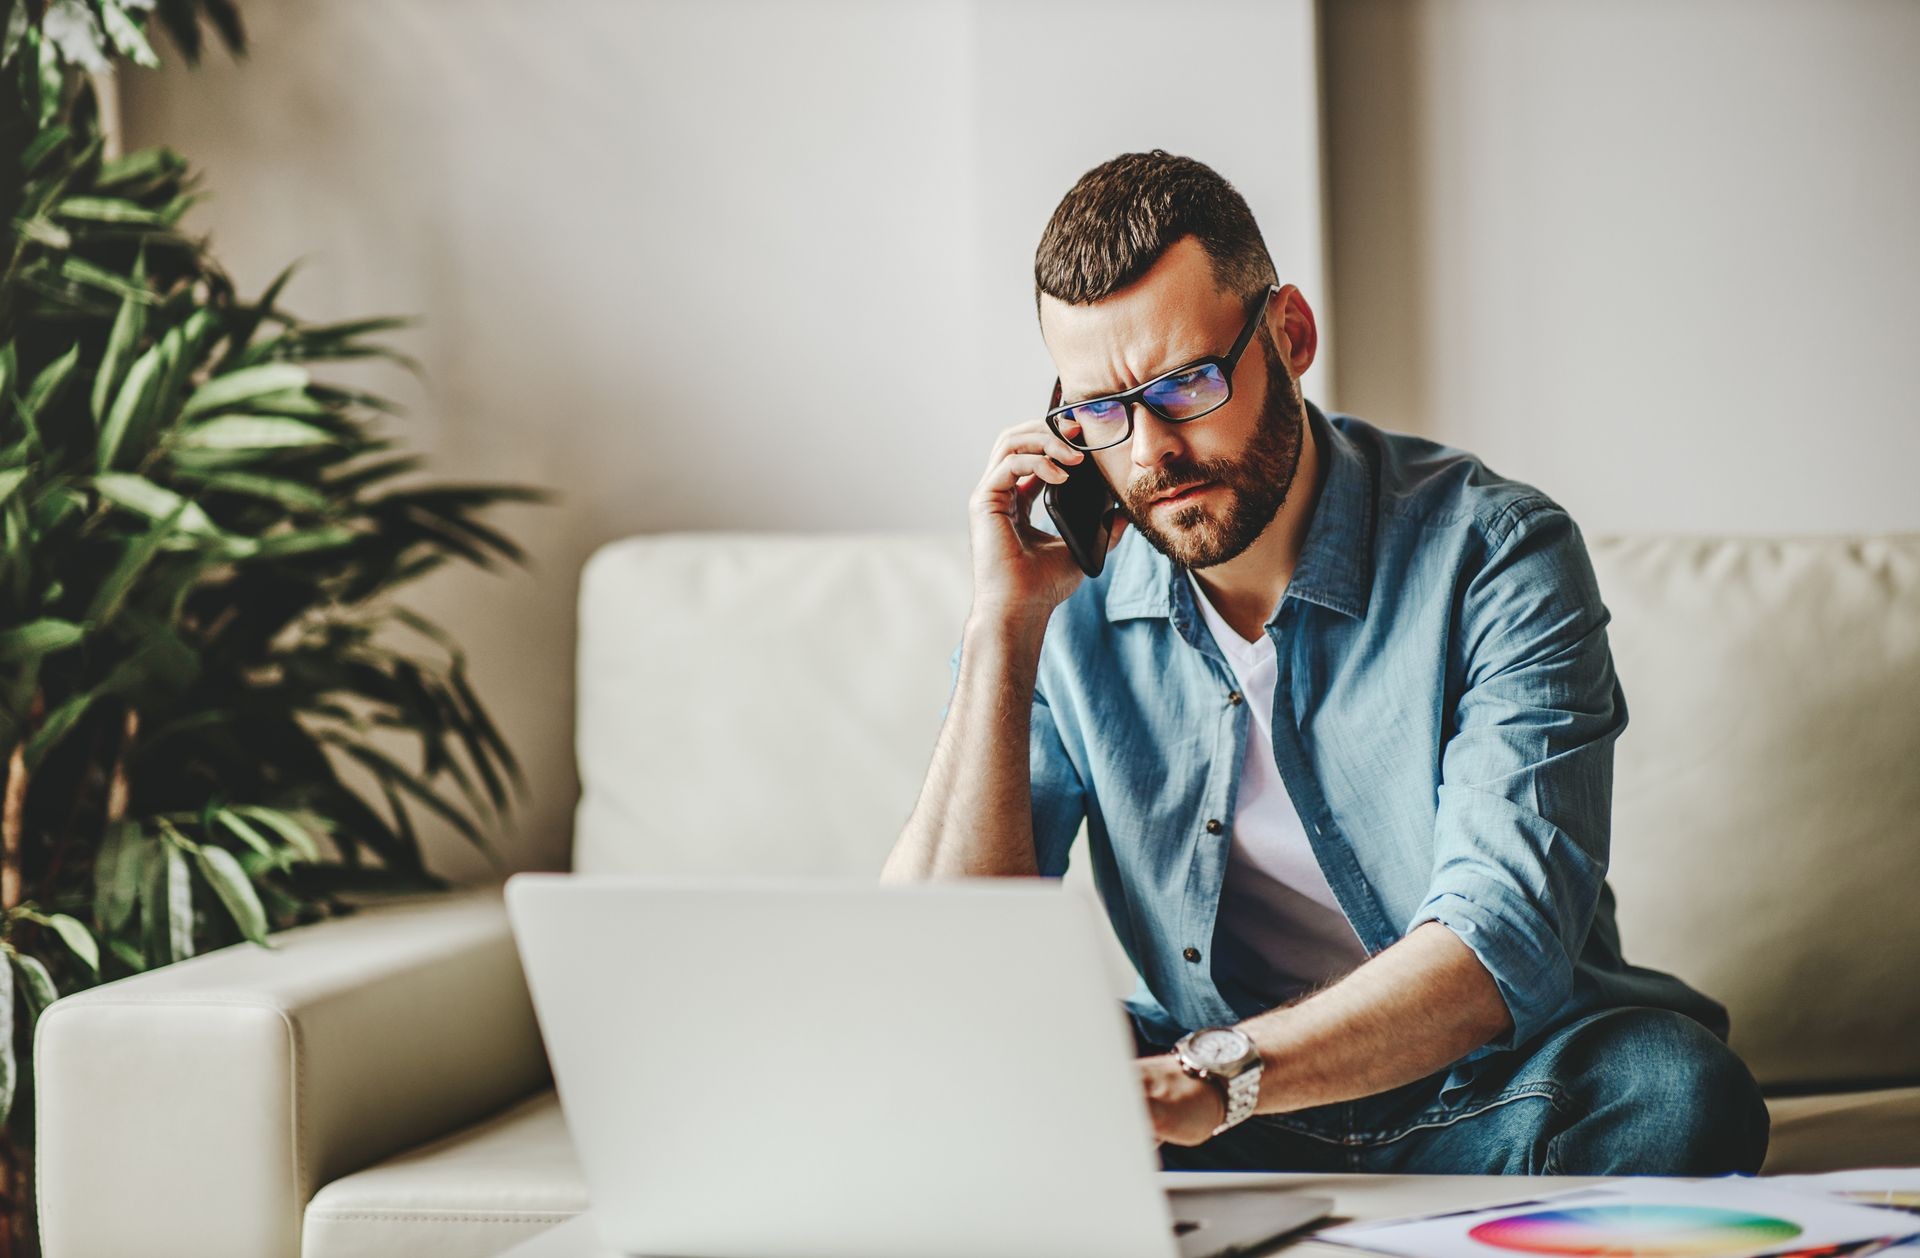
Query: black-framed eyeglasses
1187, 392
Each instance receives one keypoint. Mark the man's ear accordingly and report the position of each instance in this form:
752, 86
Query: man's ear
1295, 332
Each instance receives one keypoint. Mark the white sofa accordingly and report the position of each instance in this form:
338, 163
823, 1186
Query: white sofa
376, 1085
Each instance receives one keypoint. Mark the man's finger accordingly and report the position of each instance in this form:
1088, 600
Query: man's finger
1025, 494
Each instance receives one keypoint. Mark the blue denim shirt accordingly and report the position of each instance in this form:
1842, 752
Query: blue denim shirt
1444, 724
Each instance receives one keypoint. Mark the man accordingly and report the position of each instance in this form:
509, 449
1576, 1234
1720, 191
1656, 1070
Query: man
1339, 716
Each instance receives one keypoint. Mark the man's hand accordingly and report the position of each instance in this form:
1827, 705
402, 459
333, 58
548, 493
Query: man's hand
1185, 1110
1021, 573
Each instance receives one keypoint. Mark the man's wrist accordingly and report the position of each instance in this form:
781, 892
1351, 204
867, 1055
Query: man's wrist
1226, 1059
1012, 627
1217, 1088
1191, 1090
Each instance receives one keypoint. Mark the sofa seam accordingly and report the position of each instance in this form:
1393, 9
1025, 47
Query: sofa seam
40, 1216
530, 1216
296, 1067
182, 999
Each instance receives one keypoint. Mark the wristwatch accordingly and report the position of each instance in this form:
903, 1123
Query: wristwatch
1226, 1056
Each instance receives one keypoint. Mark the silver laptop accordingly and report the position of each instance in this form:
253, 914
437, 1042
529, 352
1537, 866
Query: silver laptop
805, 1069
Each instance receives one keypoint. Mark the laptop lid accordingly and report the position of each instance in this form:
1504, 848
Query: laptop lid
808, 1068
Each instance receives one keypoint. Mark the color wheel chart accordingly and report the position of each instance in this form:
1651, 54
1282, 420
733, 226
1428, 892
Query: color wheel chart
1636, 1231
1653, 1217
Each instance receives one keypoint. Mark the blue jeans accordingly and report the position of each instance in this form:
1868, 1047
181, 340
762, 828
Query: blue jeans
1625, 1091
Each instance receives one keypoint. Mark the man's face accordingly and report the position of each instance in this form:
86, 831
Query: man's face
1237, 463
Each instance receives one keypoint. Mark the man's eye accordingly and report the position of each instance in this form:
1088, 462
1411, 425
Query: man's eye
1096, 410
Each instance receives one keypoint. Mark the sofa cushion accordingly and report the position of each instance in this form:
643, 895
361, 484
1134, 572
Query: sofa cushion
1839, 1131
760, 704
468, 1195
1766, 832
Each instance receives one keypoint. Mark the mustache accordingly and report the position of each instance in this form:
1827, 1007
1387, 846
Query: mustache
1166, 479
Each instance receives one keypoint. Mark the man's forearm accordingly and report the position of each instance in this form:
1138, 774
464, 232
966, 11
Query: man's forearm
1415, 1007
975, 812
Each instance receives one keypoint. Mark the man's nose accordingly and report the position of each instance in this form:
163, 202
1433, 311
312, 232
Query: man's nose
1154, 439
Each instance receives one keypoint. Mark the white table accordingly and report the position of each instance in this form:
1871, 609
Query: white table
1354, 1197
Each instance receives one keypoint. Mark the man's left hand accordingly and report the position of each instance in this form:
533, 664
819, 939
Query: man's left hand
1185, 1110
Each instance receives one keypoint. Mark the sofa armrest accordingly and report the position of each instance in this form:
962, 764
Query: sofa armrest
194, 1109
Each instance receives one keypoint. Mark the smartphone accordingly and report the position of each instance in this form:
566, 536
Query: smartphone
1078, 507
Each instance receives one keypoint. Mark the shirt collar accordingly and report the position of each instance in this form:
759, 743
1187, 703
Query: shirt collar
1336, 560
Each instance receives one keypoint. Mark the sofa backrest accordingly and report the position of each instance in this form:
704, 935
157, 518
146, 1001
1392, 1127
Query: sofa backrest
760, 704
767, 704
1766, 822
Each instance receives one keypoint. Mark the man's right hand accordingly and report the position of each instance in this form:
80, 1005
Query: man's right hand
1021, 573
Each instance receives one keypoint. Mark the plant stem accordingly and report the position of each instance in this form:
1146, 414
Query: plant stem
117, 784
13, 813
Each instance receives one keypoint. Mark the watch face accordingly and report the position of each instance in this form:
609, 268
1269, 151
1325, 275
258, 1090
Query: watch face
1215, 1048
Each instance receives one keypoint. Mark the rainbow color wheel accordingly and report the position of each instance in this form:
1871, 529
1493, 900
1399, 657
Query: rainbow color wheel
1636, 1231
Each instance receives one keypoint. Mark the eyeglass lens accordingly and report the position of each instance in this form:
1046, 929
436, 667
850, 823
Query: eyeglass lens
1187, 395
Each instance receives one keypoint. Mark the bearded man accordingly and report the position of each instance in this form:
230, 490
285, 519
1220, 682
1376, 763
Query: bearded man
1338, 715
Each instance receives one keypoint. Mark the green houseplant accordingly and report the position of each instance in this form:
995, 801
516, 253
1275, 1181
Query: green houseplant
199, 545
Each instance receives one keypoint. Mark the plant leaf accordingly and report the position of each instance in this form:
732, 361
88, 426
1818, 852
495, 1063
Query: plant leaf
69, 24
132, 562
230, 883
39, 987
117, 869
91, 275
41, 231
288, 493
285, 825
57, 725
138, 494
291, 402
128, 325
77, 938
127, 37
133, 395
173, 901
9, 45
107, 210
303, 541
238, 386
244, 830
39, 637
9, 1070
141, 165
252, 432
47, 387
51, 84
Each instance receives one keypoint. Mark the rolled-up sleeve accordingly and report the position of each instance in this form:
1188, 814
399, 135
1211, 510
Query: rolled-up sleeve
1522, 827
1059, 799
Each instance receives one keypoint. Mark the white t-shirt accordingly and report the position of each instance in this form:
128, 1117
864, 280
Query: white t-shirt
1279, 931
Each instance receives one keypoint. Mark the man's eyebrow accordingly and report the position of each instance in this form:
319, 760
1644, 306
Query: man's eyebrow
1067, 399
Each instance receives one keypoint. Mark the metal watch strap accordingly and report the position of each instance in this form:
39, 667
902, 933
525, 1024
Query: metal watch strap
1243, 1093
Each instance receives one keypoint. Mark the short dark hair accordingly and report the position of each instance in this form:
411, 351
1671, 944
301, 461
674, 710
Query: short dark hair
1124, 213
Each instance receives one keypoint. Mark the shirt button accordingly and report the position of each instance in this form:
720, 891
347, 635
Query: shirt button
1213, 827
1191, 954
1234, 697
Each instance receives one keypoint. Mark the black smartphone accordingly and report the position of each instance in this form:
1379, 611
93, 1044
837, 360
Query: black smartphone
1078, 507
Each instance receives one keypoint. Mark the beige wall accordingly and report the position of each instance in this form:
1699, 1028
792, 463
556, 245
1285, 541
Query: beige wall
652, 242
1660, 258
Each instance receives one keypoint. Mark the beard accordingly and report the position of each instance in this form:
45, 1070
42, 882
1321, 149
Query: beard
1256, 483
